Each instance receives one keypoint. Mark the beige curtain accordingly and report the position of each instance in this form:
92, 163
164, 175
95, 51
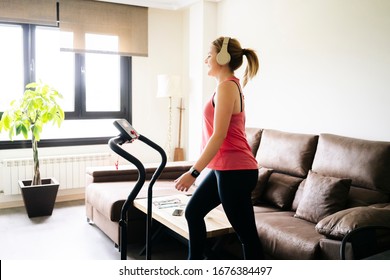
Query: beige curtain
42, 12
129, 24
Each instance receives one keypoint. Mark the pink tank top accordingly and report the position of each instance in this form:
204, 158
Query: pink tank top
235, 152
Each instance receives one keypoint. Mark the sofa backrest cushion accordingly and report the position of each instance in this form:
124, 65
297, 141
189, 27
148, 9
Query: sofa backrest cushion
253, 136
366, 162
127, 172
286, 152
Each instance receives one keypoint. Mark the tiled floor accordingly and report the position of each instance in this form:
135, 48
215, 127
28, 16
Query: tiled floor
66, 235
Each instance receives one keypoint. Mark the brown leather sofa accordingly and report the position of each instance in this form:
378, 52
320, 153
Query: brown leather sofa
312, 190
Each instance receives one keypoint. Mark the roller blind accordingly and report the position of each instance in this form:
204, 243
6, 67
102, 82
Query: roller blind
123, 28
42, 12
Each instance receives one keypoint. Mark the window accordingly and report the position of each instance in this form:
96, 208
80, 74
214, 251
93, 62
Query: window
96, 86
53, 66
97, 93
11, 66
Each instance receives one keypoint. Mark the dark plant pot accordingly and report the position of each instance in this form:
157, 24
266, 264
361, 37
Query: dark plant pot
39, 200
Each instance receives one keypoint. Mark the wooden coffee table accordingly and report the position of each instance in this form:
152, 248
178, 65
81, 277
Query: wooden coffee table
217, 223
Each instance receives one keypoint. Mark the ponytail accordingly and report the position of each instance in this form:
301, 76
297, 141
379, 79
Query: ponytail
253, 65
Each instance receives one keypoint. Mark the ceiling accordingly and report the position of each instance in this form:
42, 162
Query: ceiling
160, 4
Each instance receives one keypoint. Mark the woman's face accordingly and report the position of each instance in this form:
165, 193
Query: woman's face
211, 62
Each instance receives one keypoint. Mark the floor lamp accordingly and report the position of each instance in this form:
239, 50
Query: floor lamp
179, 152
169, 86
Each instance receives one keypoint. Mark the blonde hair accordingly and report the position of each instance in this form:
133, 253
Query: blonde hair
236, 54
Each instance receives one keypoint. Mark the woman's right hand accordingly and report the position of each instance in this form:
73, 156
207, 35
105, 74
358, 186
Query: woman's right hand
184, 182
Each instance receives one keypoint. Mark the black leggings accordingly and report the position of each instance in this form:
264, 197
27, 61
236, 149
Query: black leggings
232, 189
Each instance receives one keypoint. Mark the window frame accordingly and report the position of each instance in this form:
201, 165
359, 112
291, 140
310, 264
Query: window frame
79, 110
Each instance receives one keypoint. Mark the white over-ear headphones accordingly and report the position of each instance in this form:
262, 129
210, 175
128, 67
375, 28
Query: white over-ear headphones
223, 57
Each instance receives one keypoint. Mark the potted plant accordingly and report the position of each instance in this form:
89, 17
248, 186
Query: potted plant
27, 116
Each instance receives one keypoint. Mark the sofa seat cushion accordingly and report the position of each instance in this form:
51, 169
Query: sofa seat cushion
341, 223
286, 237
108, 198
259, 208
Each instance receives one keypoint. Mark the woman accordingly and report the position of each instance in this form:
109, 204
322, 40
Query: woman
234, 170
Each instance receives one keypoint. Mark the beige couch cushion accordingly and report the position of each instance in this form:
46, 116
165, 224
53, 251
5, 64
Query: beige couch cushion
322, 196
108, 198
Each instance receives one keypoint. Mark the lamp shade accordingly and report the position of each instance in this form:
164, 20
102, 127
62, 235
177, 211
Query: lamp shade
168, 86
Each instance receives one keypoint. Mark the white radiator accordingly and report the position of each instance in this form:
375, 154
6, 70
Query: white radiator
68, 170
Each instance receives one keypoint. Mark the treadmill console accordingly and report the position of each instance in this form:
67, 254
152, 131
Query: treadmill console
126, 130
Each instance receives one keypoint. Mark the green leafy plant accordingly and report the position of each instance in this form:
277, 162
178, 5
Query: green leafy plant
28, 115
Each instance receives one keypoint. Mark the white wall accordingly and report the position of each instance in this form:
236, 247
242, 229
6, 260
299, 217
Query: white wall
202, 28
151, 114
325, 64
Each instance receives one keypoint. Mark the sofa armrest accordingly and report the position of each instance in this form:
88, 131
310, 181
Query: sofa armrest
339, 224
101, 174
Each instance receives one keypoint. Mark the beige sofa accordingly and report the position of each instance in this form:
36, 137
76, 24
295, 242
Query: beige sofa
312, 190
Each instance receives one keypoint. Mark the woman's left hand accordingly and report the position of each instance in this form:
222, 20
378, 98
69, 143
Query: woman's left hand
184, 182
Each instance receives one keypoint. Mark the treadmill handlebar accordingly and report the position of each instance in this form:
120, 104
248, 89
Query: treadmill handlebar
115, 144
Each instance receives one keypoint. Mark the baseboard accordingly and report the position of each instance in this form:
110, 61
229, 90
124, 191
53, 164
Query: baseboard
12, 201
